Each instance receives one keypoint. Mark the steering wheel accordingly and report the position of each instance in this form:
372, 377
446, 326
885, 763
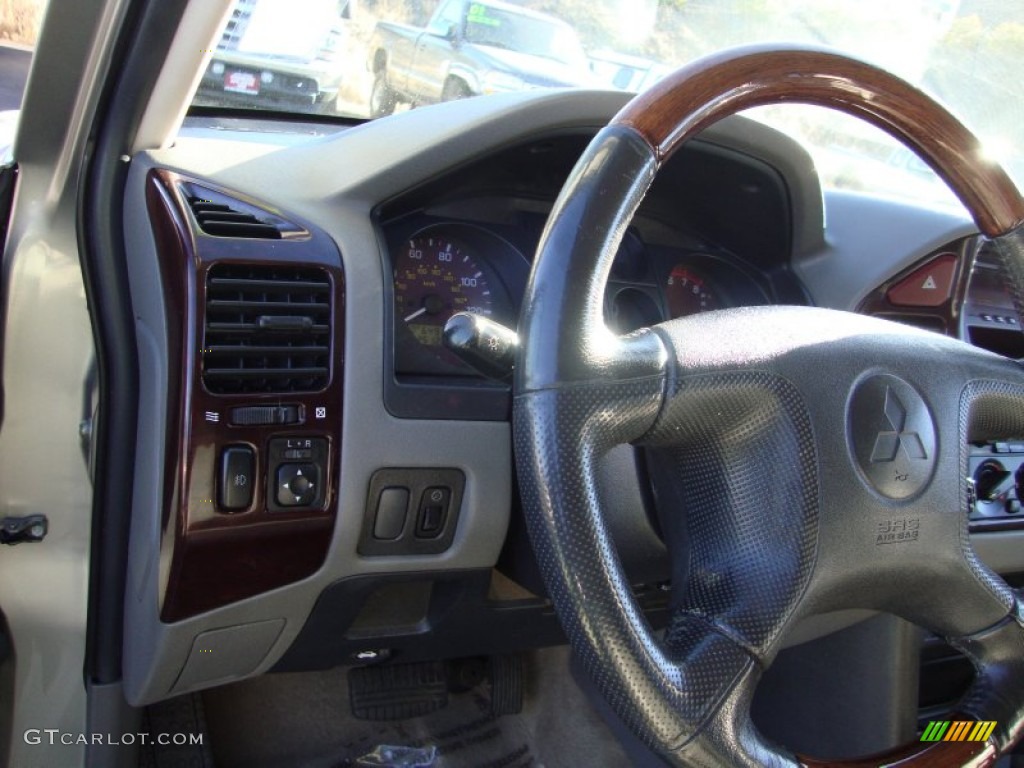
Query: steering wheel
819, 457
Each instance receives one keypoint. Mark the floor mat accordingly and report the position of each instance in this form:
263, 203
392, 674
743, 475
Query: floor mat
303, 721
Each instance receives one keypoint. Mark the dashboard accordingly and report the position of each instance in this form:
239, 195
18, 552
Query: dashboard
290, 288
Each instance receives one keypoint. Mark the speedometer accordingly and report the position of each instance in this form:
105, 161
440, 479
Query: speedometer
438, 270
435, 277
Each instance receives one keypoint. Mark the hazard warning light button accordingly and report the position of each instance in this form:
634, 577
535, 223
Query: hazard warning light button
928, 286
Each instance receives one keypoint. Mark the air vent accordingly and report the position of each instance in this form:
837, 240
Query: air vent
222, 220
267, 329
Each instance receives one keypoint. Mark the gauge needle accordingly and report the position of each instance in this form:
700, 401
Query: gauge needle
414, 315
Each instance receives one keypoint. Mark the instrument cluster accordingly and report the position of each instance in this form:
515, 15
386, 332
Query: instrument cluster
448, 267
443, 269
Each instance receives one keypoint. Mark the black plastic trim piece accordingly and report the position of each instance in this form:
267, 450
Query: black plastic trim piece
142, 43
459, 620
870, 669
426, 489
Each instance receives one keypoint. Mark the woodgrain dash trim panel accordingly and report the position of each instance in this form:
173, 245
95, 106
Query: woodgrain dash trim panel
212, 558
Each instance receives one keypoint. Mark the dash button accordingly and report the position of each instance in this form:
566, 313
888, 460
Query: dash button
234, 486
433, 512
391, 512
928, 286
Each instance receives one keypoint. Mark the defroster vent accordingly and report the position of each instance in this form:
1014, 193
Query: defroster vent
221, 215
267, 329
223, 220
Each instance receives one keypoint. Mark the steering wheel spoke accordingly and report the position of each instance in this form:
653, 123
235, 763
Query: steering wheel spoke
992, 406
736, 448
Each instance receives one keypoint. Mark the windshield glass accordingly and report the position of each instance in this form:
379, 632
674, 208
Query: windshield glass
369, 58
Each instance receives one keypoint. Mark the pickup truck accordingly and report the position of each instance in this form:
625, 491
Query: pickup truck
471, 48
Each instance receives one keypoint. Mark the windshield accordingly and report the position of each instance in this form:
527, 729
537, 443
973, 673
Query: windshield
369, 58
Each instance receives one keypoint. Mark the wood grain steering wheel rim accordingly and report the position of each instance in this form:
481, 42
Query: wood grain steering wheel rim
694, 97
579, 390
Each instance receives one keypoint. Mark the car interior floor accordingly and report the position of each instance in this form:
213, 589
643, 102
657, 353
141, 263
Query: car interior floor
305, 719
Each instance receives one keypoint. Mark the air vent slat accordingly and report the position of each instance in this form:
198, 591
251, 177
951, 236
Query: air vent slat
266, 329
222, 220
227, 216
267, 286
255, 231
267, 306
320, 349
215, 327
264, 373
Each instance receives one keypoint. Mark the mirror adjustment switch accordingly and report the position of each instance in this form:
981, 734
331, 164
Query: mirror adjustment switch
235, 480
298, 475
298, 485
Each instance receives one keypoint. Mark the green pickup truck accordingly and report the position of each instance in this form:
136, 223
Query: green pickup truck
471, 48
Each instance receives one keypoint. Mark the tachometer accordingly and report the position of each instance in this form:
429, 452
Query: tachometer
435, 277
688, 292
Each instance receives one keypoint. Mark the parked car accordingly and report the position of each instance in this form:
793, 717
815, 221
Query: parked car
557, 426
288, 82
472, 47
256, 64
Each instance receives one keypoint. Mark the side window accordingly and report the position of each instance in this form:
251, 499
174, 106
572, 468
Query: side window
492, 26
449, 15
19, 27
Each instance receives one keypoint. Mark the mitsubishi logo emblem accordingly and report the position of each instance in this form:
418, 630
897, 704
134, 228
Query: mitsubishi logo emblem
891, 435
889, 442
